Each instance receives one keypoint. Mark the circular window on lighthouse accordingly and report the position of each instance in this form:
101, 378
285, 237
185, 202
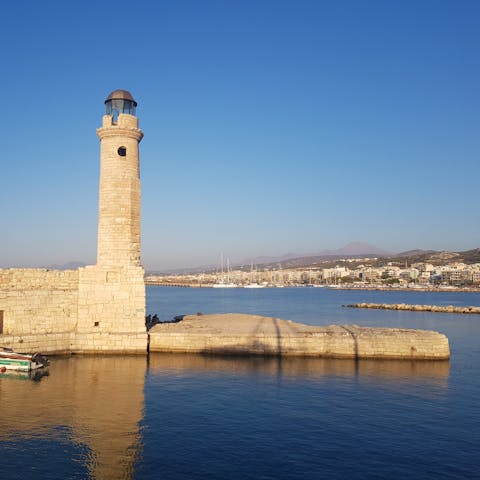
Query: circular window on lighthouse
122, 151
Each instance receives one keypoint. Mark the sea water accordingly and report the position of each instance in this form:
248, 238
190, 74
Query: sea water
210, 417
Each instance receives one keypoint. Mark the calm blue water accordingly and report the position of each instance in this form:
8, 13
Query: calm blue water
201, 417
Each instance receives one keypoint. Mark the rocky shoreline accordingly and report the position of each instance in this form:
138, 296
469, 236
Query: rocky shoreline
416, 308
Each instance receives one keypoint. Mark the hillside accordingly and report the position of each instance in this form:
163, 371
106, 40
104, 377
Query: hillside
328, 260
404, 258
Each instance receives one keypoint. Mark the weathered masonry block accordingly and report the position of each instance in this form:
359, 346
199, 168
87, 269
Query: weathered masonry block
39, 308
111, 309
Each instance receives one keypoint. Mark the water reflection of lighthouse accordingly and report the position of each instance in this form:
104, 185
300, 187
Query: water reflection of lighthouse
96, 403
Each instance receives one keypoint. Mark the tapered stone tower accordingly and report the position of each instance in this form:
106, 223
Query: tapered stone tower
111, 303
119, 196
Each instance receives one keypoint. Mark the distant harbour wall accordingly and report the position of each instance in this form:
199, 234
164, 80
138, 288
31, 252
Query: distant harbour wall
159, 283
367, 287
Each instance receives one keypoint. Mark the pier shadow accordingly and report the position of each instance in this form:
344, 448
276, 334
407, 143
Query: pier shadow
279, 350
278, 335
355, 348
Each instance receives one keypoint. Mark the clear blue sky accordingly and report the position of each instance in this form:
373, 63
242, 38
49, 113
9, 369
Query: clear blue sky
270, 126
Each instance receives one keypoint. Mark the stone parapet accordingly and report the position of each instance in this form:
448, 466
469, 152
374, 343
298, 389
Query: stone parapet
20, 279
126, 126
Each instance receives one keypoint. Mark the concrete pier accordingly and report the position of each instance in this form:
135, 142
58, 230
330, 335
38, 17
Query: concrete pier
234, 333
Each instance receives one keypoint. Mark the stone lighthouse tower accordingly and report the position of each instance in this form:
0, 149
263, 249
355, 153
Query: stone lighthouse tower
111, 297
119, 194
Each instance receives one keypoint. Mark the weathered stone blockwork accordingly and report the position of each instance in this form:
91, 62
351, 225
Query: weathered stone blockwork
111, 310
37, 301
119, 192
256, 335
90, 310
111, 300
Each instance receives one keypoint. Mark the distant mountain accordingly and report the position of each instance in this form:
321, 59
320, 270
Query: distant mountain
411, 253
431, 256
471, 256
377, 257
353, 249
357, 248
266, 259
292, 260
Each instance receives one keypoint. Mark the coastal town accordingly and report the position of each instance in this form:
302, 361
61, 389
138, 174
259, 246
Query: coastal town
361, 273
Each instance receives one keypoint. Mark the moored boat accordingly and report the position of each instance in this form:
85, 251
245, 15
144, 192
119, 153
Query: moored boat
222, 284
10, 360
35, 375
224, 280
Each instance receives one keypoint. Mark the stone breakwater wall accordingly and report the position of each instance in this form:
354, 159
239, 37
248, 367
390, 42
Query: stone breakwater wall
255, 335
416, 308
90, 310
102, 310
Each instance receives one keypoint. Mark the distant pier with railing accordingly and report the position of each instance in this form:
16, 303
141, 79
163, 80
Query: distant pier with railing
167, 283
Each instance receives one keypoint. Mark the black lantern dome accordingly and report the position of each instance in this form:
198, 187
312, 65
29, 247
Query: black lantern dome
120, 101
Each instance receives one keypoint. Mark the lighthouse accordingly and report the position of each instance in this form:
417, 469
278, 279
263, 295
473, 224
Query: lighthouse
119, 192
111, 295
